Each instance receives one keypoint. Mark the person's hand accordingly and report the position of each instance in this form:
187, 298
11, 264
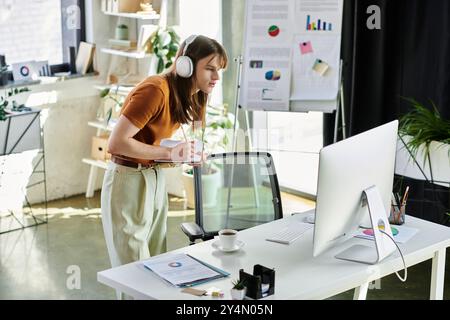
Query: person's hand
183, 152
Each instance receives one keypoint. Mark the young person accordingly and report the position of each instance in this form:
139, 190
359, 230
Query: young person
134, 200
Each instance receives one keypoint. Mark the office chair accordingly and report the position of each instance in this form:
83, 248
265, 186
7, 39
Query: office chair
236, 190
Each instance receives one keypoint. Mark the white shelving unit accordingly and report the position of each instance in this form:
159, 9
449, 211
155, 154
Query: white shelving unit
127, 54
95, 164
160, 19
100, 125
134, 15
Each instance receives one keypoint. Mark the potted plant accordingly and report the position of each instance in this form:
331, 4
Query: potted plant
238, 290
117, 102
14, 106
425, 144
164, 44
216, 136
122, 32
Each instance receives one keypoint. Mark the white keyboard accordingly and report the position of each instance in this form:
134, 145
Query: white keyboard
290, 233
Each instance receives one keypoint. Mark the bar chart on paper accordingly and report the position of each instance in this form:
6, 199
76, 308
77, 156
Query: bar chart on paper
318, 24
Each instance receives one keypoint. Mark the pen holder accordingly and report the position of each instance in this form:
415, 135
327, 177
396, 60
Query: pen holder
397, 214
253, 282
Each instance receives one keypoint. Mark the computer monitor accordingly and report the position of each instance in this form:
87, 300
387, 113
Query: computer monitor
346, 169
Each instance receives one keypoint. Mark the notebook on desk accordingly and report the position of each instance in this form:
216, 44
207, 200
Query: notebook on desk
183, 270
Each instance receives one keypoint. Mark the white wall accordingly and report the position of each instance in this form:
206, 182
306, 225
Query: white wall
66, 109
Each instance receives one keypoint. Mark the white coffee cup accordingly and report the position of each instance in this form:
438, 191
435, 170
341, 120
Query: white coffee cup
228, 238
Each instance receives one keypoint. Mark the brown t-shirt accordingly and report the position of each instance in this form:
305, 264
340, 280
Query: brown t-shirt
147, 107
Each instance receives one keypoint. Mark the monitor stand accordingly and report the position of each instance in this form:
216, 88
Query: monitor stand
378, 218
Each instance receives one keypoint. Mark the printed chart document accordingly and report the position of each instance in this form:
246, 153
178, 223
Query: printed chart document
316, 50
267, 55
401, 233
183, 270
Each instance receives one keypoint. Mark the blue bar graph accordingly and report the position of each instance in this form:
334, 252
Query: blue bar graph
319, 25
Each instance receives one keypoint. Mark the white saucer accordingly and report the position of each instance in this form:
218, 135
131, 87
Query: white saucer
216, 245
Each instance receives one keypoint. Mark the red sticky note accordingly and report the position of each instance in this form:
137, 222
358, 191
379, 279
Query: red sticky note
306, 47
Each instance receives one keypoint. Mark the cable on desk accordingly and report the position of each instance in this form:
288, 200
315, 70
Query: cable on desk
401, 254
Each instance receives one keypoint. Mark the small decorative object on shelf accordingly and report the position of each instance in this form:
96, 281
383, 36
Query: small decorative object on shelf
100, 147
121, 32
238, 291
119, 6
147, 8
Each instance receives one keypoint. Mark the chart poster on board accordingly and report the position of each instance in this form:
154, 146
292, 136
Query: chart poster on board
316, 50
291, 59
268, 55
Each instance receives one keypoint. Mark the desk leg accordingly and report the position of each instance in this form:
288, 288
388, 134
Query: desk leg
437, 275
361, 292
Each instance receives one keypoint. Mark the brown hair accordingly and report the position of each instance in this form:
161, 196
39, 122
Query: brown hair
184, 106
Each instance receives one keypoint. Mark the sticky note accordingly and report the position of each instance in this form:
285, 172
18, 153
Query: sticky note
320, 67
306, 47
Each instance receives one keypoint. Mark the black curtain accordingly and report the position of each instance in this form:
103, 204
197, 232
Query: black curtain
408, 57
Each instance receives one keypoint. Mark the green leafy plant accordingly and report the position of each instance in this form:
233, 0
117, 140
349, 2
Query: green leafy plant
164, 44
238, 284
219, 123
215, 134
424, 125
14, 106
107, 94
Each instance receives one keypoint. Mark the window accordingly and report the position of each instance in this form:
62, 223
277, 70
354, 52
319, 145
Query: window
294, 139
203, 17
39, 29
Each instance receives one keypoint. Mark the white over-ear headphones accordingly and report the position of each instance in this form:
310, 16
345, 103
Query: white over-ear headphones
184, 65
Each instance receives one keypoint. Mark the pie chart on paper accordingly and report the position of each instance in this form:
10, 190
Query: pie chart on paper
24, 71
274, 31
369, 232
273, 75
175, 264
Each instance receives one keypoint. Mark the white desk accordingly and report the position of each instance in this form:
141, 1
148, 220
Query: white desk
297, 274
